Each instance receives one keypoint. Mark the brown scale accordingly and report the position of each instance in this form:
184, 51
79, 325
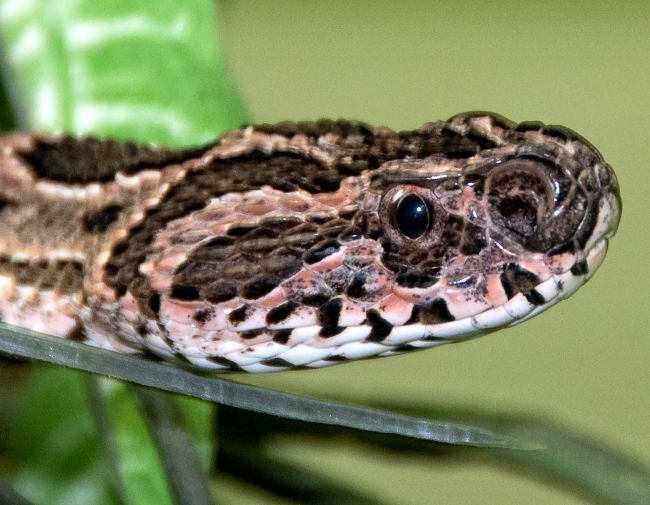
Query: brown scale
363, 149
64, 277
82, 160
286, 173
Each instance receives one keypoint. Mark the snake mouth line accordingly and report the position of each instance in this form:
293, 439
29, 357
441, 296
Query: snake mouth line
352, 344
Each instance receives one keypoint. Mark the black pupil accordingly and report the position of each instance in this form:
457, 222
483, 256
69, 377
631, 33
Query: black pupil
412, 216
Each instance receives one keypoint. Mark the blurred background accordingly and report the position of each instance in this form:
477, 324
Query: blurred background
585, 65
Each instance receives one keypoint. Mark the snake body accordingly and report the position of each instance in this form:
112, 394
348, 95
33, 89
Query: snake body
299, 245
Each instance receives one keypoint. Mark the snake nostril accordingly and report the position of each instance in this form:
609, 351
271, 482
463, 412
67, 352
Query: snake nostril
519, 214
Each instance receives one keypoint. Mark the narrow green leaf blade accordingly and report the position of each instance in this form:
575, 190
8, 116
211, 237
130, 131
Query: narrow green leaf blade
139, 464
20, 342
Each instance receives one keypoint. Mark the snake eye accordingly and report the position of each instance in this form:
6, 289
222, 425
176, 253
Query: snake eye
412, 216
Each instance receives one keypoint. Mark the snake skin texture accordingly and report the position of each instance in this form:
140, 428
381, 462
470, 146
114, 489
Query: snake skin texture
299, 245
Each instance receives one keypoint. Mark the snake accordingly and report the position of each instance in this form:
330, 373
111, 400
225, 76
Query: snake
299, 245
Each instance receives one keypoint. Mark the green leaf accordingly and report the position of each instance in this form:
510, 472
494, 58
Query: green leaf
540, 449
140, 469
563, 458
132, 69
49, 436
24, 343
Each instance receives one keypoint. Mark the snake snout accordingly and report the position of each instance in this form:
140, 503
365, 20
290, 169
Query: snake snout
609, 182
610, 205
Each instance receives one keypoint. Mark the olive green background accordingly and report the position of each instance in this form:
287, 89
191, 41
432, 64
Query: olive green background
586, 65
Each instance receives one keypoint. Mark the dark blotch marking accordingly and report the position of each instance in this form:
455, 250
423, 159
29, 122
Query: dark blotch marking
277, 362
328, 314
415, 280
251, 334
405, 348
98, 221
154, 302
84, 160
149, 300
527, 126
561, 132
434, 338
63, 276
203, 316
380, 327
281, 336
240, 230
239, 315
314, 300
77, 335
219, 291
478, 139
141, 327
220, 360
258, 287
178, 356
415, 316
281, 266
473, 241
455, 145
70, 279
315, 129
337, 358
520, 214
357, 287
580, 268
517, 280
436, 312
281, 312
321, 251
330, 331
568, 247
534, 297
186, 293
6, 201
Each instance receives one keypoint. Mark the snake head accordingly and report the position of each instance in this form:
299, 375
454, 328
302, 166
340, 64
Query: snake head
307, 245
472, 237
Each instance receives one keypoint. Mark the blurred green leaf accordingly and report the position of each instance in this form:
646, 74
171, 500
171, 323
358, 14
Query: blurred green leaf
140, 468
7, 116
49, 437
565, 459
131, 69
